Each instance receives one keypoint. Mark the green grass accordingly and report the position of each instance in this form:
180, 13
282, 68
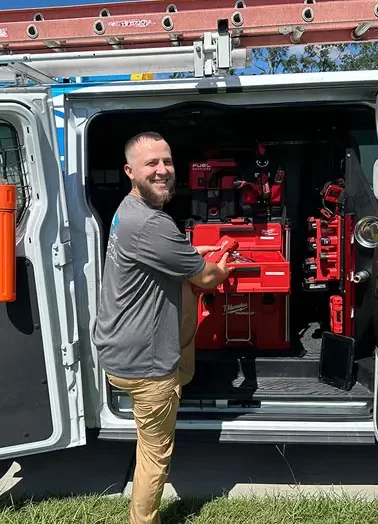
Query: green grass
256, 510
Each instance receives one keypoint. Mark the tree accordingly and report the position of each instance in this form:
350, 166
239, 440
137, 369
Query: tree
361, 57
311, 58
306, 59
272, 60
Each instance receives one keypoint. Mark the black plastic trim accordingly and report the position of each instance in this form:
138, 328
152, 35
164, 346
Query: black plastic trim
275, 417
24, 396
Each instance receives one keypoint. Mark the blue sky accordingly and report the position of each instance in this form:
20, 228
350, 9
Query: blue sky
18, 4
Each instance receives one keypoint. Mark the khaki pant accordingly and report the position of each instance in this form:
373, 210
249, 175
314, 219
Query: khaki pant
155, 405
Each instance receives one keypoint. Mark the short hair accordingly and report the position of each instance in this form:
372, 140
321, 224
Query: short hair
151, 135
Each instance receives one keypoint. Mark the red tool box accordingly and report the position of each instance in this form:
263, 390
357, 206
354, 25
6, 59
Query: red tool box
259, 265
250, 307
242, 320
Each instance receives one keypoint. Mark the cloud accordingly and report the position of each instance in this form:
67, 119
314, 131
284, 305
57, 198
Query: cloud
298, 50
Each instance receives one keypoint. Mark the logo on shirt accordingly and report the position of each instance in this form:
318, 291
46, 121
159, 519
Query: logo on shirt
111, 251
114, 225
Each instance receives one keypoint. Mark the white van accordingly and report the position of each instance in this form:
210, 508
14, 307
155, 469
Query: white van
63, 148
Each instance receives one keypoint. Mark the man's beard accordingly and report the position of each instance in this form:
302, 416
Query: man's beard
154, 198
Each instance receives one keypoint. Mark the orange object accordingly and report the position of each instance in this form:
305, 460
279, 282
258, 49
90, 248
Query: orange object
8, 206
336, 311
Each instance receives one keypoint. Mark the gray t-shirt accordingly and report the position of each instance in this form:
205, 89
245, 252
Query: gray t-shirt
136, 331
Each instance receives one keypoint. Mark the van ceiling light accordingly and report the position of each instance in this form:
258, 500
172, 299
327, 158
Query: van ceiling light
366, 232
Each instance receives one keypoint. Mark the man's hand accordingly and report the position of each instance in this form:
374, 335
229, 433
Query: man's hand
203, 250
222, 264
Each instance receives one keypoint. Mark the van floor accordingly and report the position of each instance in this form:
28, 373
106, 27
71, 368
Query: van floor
275, 376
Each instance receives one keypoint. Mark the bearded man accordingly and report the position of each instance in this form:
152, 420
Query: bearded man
145, 327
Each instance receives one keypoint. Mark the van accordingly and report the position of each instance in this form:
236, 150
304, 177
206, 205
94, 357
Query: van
62, 146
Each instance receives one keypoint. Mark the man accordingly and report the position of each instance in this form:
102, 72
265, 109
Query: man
149, 263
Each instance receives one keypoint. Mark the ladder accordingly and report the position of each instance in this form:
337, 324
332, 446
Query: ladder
205, 38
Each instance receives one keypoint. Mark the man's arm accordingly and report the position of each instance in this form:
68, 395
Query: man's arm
164, 248
212, 274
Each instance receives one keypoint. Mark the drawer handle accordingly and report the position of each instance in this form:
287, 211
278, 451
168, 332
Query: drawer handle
254, 269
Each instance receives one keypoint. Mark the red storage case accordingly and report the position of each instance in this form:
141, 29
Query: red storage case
250, 308
267, 272
249, 236
241, 320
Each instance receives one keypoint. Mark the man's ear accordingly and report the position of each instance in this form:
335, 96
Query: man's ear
129, 171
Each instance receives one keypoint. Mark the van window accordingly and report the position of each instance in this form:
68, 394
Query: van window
11, 165
367, 142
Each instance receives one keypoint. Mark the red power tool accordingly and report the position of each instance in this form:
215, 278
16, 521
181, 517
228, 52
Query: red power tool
332, 195
260, 186
227, 244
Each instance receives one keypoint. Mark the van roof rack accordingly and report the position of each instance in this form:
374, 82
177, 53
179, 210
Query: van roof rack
43, 45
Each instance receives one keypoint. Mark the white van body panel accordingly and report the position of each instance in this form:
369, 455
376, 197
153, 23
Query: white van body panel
84, 104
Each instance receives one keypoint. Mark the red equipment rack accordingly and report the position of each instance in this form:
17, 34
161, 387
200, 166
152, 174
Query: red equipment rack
250, 308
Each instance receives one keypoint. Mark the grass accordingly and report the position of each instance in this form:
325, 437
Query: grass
324, 509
